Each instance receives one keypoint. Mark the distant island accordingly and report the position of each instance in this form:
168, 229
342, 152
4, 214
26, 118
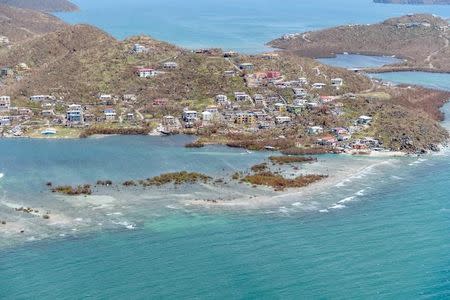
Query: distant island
426, 2
42, 5
422, 39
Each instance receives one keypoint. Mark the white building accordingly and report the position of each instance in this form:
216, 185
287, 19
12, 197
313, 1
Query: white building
190, 116
282, 120
138, 48
207, 116
241, 96
74, 114
364, 120
39, 98
315, 130
221, 99
170, 65
5, 103
246, 66
110, 114
146, 72
318, 85
5, 121
337, 82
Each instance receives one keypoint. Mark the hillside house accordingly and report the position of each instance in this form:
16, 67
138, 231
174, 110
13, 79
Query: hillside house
6, 72
337, 82
318, 85
280, 107
299, 102
282, 120
270, 56
130, 116
207, 116
303, 81
129, 98
229, 73
110, 114
230, 54
314, 130
221, 99
170, 65
4, 40
138, 48
299, 92
146, 72
246, 67
190, 116
259, 101
241, 97
5, 103
106, 99
245, 118
23, 111
169, 121
295, 109
40, 98
74, 114
327, 140
5, 121
48, 113
160, 102
364, 120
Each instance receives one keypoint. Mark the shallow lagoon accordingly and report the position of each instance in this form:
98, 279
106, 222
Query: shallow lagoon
356, 61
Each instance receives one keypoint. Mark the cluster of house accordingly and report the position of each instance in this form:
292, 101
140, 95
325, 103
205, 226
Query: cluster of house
342, 137
12, 114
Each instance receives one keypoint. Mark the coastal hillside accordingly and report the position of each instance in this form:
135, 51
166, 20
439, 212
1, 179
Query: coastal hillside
421, 39
42, 5
18, 24
427, 2
80, 61
247, 101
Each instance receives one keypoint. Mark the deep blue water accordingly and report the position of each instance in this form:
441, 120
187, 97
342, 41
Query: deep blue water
232, 24
381, 233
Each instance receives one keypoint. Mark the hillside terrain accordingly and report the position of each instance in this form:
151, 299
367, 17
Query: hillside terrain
423, 40
42, 5
81, 61
426, 2
18, 24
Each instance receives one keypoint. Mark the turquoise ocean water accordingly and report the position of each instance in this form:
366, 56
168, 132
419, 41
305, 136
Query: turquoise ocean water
233, 24
381, 231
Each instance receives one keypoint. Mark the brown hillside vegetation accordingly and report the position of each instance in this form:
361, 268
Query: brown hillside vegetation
80, 61
20, 24
422, 39
44, 5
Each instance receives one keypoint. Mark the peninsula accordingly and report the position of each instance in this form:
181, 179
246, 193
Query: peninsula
422, 40
76, 81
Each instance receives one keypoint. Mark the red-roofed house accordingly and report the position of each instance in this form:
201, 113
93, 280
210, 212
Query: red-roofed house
273, 74
145, 72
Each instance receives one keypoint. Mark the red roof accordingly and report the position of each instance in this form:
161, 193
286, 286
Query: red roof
144, 69
273, 74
